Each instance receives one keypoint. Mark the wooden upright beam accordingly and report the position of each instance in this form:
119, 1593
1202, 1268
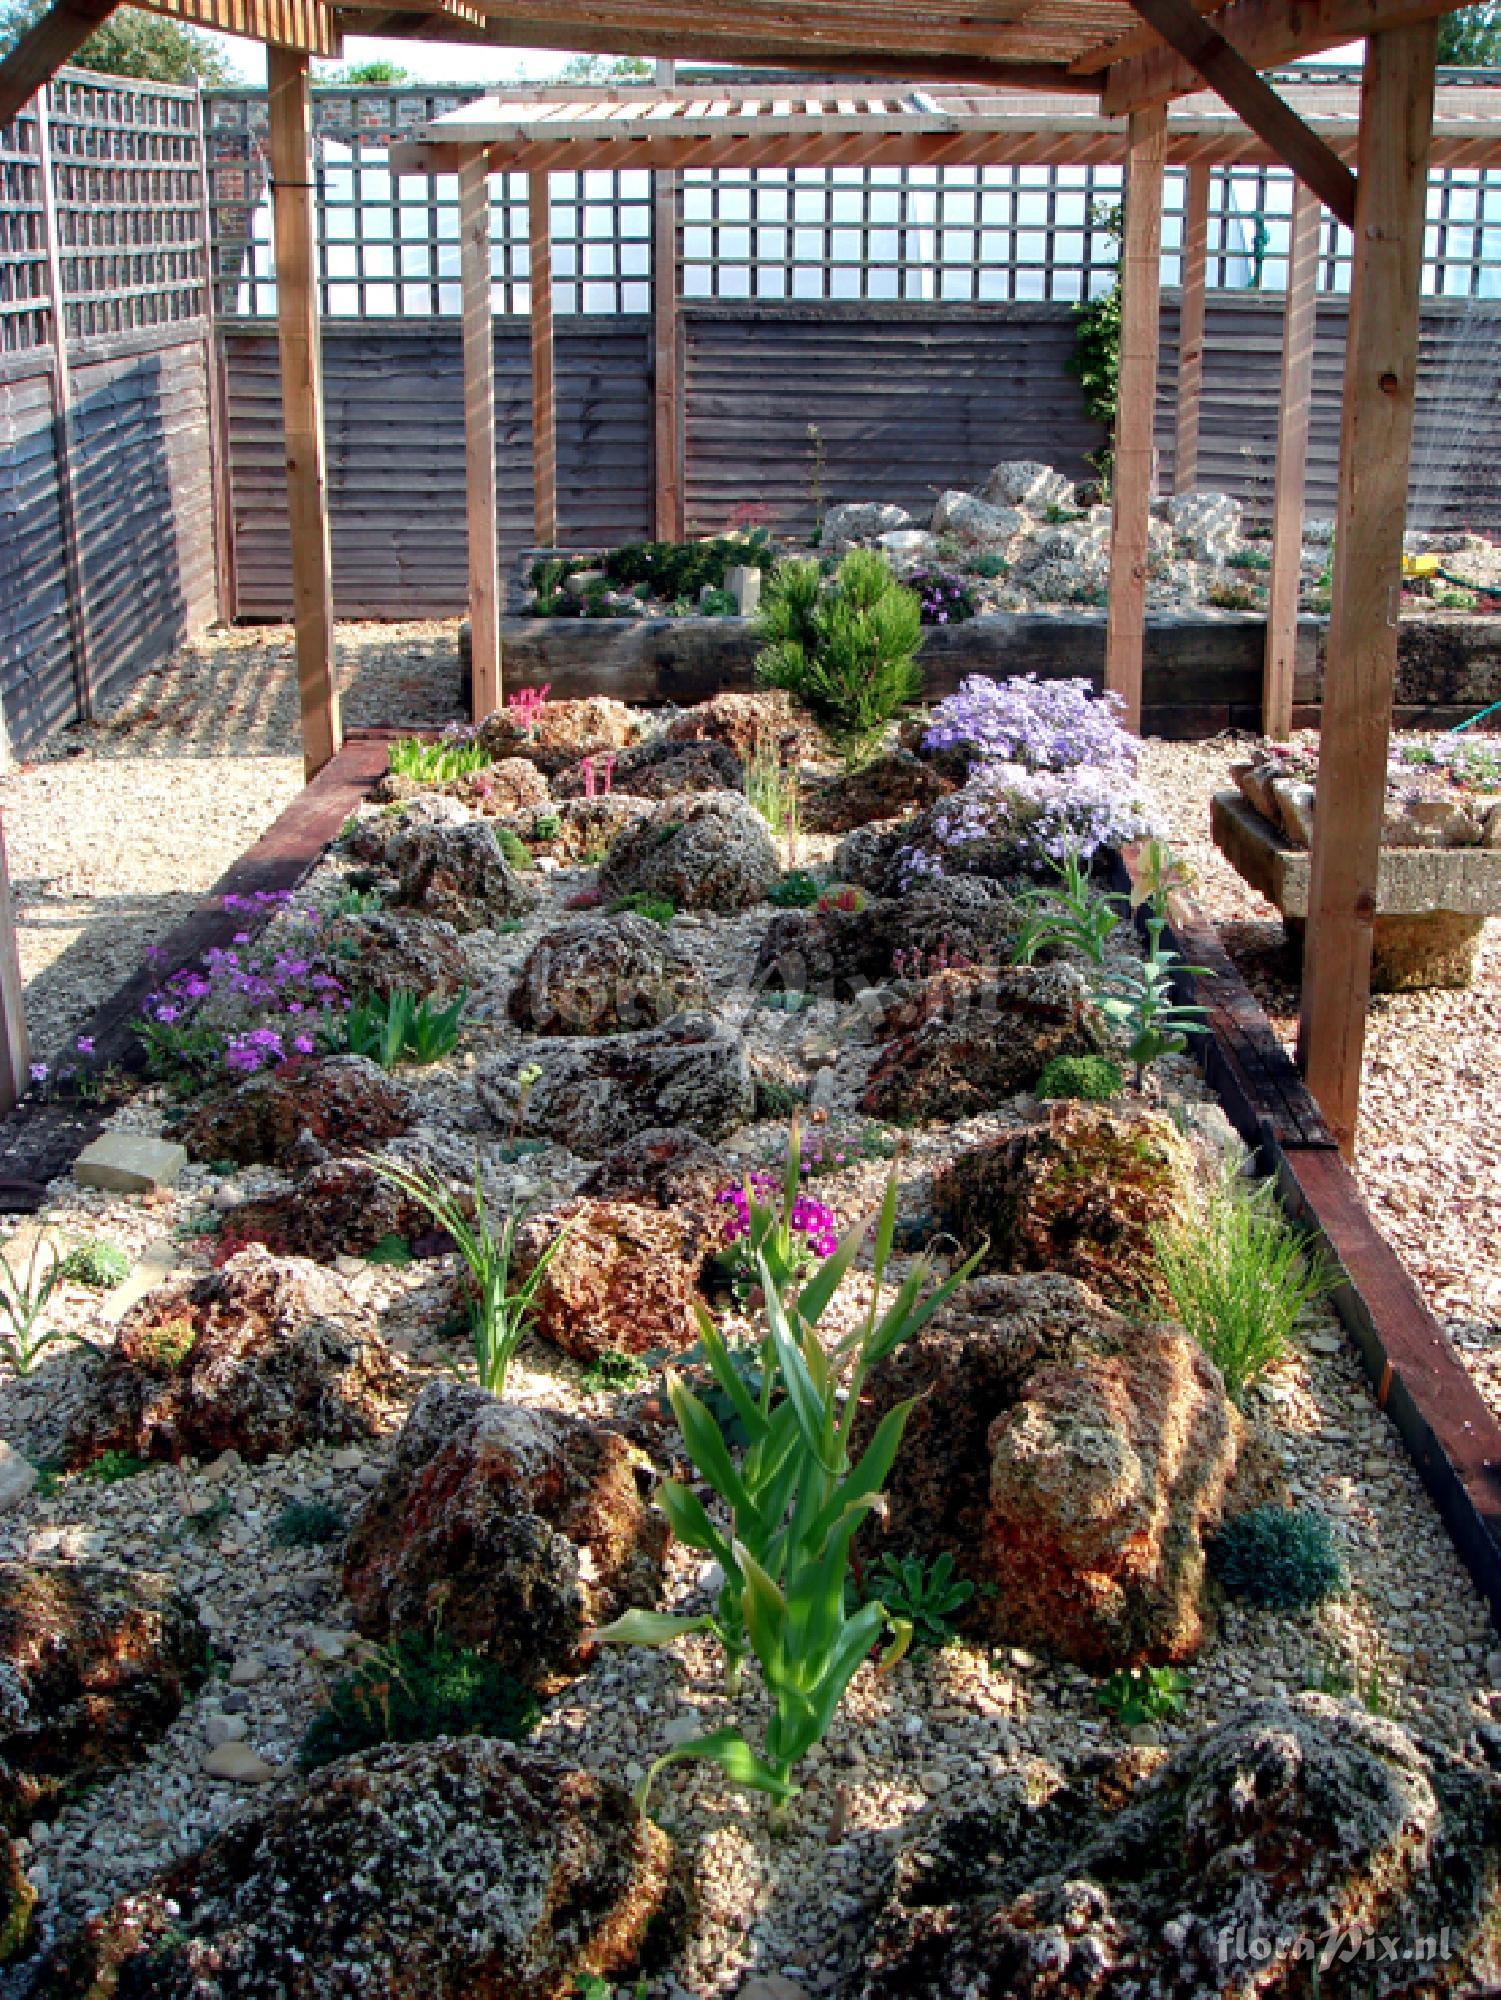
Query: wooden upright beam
1298, 329
667, 372
544, 406
1131, 478
479, 434
1248, 93
15, 1048
1381, 362
302, 403
1191, 330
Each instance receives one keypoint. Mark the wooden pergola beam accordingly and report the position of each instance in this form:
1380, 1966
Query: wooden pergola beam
668, 515
479, 436
544, 402
1195, 267
292, 193
43, 49
1265, 32
1381, 364
1299, 324
1253, 99
1135, 409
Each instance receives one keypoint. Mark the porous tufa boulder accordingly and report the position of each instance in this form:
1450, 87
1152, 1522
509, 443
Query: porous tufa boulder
1205, 526
562, 732
511, 1530
605, 975
862, 521
340, 1209
766, 721
1288, 1830
886, 787
18, 1901
343, 1104
977, 523
592, 1093
833, 949
509, 785
1080, 1190
459, 875
95, 1664
1028, 484
621, 1280
586, 828
258, 1357
391, 951
663, 1167
993, 1038
663, 768
710, 851
465, 1869
1073, 1462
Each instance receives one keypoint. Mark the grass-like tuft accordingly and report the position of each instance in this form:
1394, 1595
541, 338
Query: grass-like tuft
411, 1691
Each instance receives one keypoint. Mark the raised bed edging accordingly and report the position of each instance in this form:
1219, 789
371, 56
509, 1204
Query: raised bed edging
1451, 1434
1202, 673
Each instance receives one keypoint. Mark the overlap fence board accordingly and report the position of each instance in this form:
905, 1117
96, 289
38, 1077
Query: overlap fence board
395, 418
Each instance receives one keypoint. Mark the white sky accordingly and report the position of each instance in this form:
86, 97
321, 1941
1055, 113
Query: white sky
458, 62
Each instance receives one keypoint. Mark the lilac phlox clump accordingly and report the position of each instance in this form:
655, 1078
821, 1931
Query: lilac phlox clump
1041, 725
1008, 816
813, 1220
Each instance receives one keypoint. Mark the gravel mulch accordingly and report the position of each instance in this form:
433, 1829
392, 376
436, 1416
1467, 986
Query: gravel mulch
1428, 1150
115, 829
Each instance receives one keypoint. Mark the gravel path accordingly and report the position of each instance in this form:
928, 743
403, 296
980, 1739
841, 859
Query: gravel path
1428, 1152
118, 827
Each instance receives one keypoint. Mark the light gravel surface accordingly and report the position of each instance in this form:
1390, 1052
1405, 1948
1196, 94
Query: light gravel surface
1428, 1149
117, 828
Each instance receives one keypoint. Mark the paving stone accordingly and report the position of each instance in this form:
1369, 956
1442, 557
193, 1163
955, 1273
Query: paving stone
130, 1163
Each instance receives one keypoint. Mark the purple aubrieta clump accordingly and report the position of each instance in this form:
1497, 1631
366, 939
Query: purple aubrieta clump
813, 1220
1041, 725
944, 599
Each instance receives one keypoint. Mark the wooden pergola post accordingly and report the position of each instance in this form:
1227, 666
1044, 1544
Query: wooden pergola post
1381, 361
302, 402
479, 434
1131, 481
15, 1045
1195, 271
1298, 329
544, 407
667, 373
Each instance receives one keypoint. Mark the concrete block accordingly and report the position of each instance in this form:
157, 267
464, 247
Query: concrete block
130, 1163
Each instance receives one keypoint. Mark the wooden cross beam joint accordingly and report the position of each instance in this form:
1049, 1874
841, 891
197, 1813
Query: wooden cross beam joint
1248, 94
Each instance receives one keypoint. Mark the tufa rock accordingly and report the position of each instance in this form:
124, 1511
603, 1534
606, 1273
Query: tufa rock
622, 1279
458, 874
1025, 483
1080, 1191
711, 851
18, 1901
463, 1869
663, 1167
394, 951
593, 1093
18, 1477
663, 768
341, 1209
836, 951
888, 786
95, 1664
1298, 1822
975, 522
765, 722
1009, 1027
862, 521
563, 732
513, 1530
602, 975
259, 1357
586, 827
1073, 1462
297, 1110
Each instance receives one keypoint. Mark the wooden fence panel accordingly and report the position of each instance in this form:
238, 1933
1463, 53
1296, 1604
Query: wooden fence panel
394, 400
36, 659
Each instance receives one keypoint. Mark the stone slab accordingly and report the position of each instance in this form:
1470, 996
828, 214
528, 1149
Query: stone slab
130, 1163
1412, 882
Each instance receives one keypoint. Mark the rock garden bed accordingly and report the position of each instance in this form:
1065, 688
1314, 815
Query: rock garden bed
303, 1570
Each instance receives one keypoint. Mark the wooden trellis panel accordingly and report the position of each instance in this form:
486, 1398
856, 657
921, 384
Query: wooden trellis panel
25, 312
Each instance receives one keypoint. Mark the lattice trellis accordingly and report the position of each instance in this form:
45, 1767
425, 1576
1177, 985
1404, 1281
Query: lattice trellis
127, 173
25, 310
